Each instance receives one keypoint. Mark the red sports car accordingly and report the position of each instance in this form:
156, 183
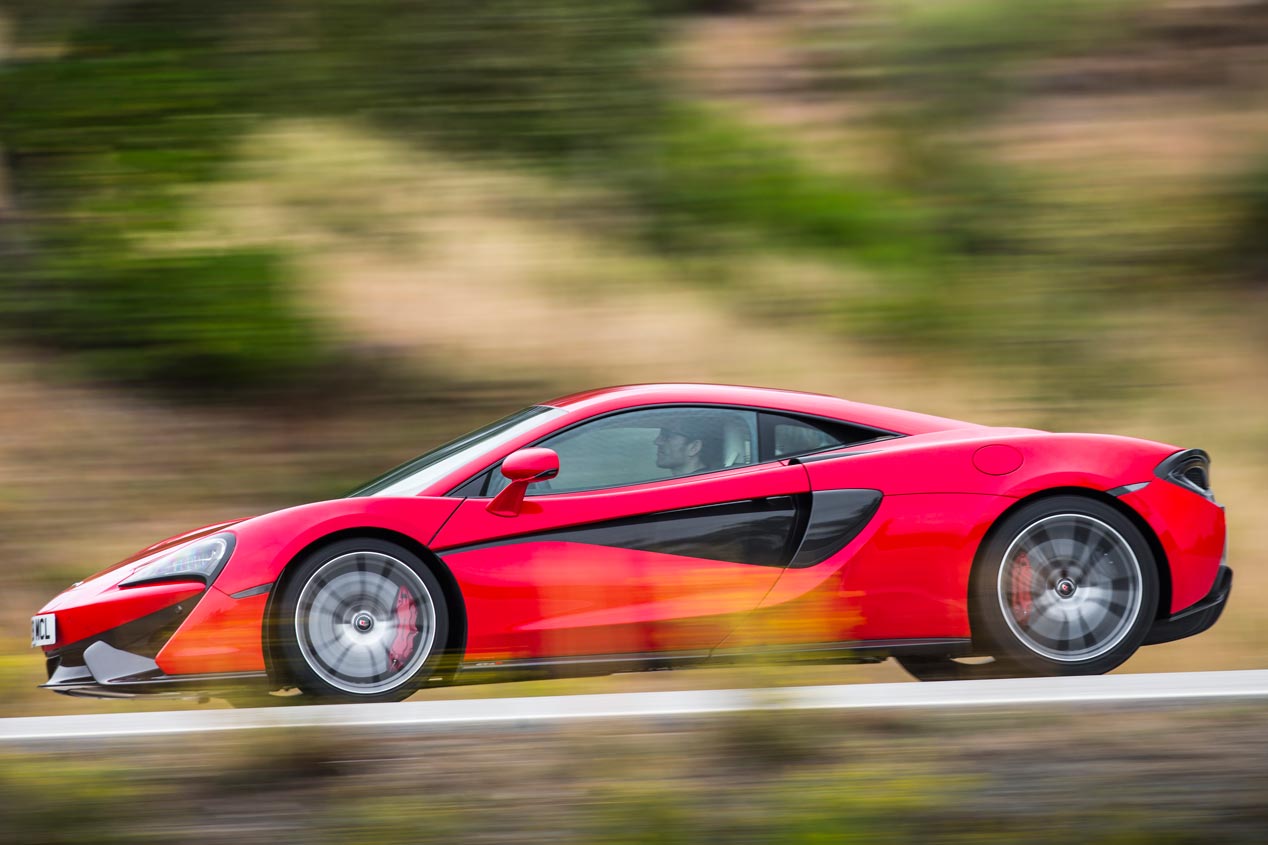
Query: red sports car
658, 526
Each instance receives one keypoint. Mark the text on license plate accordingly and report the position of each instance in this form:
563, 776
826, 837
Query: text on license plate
43, 629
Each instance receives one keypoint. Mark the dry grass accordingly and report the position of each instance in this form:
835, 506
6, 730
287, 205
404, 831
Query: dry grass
522, 287
1104, 774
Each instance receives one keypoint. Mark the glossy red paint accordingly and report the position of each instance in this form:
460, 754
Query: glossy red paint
998, 459
523, 467
1190, 529
942, 462
905, 576
527, 594
555, 599
531, 465
98, 606
221, 635
547, 598
266, 544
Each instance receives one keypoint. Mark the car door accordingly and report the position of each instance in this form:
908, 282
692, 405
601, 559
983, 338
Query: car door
621, 554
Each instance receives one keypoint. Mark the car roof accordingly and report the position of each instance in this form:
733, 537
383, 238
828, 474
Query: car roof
634, 395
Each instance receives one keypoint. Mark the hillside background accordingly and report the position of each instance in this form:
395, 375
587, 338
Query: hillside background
254, 253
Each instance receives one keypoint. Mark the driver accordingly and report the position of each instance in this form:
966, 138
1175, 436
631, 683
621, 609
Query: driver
687, 445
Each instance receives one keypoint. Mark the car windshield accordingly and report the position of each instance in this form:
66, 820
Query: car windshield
412, 477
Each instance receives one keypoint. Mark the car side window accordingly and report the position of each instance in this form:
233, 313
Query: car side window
636, 447
787, 437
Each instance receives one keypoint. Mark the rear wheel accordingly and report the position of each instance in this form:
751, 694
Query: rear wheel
1066, 586
362, 620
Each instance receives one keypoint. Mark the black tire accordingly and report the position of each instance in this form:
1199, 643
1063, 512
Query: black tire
1065, 586
361, 620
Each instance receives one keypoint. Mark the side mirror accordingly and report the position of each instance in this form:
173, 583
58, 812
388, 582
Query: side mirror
523, 468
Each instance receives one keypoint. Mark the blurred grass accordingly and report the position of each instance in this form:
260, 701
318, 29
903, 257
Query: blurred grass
873, 777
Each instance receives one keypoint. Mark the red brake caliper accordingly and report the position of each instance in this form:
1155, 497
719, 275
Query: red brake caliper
406, 633
1022, 575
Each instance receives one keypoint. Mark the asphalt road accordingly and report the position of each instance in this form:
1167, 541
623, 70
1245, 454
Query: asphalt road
1187, 686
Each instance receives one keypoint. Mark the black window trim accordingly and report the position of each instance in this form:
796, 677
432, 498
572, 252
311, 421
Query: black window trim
797, 504
767, 420
760, 411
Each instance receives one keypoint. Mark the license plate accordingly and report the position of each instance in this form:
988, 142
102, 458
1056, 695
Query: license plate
43, 630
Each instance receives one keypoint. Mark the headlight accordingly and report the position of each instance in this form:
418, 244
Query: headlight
201, 560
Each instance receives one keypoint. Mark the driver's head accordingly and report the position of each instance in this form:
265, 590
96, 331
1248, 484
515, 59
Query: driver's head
682, 446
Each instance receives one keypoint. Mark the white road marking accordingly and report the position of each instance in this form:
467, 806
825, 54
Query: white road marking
1195, 686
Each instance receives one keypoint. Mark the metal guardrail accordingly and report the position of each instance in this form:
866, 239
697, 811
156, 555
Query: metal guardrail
1188, 686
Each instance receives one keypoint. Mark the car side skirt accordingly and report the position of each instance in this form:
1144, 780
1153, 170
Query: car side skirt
81, 681
870, 651
158, 686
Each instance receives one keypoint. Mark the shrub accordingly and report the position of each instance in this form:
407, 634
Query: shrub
539, 78
1247, 249
138, 100
705, 174
187, 320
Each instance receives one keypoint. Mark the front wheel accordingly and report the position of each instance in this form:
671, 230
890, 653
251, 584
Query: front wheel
362, 620
1066, 586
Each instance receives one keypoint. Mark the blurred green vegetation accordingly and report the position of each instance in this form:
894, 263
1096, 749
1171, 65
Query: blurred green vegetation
184, 321
105, 800
557, 80
897, 778
103, 139
708, 181
962, 61
111, 112
1246, 251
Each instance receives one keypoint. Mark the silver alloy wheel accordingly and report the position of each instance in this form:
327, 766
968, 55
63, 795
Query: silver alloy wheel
365, 622
1070, 587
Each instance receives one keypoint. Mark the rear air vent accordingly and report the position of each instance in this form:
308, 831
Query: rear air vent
1190, 469
1197, 475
